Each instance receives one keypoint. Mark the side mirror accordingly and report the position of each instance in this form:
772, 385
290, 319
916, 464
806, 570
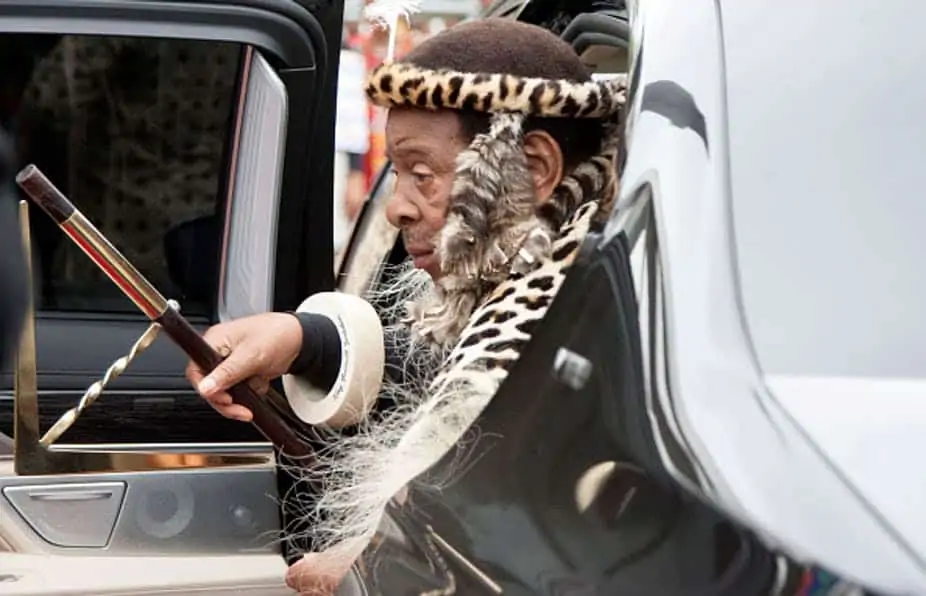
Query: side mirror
602, 40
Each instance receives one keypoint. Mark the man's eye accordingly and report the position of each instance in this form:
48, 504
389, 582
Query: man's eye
422, 175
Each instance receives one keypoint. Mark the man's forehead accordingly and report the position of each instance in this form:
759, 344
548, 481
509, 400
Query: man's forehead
409, 127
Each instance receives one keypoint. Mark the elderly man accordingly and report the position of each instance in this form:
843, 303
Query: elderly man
503, 151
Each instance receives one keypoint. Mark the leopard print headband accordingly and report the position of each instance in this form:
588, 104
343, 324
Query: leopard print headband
494, 227
397, 84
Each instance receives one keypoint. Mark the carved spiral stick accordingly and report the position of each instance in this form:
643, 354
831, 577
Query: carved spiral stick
93, 392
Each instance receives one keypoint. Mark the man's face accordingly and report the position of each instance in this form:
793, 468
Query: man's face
423, 147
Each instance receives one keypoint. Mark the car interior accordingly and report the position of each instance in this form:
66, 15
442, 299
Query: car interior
171, 236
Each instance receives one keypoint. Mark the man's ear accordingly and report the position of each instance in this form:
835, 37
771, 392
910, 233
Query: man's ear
545, 162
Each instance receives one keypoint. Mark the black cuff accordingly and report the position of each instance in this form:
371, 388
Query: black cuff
319, 361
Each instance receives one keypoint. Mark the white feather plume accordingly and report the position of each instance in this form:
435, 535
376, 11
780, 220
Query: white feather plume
386, 14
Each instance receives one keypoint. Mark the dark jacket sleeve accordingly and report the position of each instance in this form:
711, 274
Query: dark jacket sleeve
320, 358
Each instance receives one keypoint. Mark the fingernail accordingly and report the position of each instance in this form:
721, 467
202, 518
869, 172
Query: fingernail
207, 386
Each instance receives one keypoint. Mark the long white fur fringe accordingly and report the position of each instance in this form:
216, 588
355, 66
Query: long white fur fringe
359, 474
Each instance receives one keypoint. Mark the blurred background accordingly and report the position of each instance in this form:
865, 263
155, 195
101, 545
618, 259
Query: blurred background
360, 142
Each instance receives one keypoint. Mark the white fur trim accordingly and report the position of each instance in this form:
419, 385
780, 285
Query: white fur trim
362, 363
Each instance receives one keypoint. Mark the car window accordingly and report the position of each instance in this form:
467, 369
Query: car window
136, 131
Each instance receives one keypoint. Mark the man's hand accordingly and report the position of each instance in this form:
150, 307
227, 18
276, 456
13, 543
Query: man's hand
258, 349
316, 575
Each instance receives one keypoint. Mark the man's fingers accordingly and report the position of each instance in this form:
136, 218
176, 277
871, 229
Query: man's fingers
306, 577
235, 412
220, 399
218, 343
242, 364
238, 364
196, 376
260, 385
193, 374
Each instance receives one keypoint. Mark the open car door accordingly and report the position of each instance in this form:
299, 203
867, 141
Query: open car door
198, 137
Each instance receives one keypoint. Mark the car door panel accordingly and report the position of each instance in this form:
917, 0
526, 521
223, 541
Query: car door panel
205, 530
152, 478
149, 403
61, 367
197, 511
37, 575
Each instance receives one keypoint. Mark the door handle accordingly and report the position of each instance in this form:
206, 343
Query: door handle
83, 495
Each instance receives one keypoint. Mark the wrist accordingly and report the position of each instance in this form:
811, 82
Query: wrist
296, 332
319, 354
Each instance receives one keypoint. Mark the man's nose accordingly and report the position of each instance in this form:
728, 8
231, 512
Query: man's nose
400, 211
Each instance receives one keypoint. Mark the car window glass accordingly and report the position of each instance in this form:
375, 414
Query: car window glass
135, 131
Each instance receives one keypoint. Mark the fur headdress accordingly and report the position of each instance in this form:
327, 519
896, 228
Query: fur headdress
495, 227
